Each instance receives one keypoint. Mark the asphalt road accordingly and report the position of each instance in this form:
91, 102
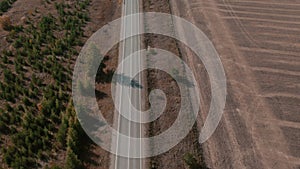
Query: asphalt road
125, 126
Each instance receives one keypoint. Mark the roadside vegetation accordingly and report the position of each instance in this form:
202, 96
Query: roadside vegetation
5, 5
193, 163
37, 119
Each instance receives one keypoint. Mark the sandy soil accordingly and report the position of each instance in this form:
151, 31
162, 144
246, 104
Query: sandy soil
258, 42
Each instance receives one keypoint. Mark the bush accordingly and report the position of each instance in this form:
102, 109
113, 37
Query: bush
26, 101
3, 128
5, 59
4, 6
5, 23
192, 162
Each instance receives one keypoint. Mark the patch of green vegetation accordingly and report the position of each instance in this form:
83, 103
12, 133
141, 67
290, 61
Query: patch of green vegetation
5, 5
37, 117
193, 163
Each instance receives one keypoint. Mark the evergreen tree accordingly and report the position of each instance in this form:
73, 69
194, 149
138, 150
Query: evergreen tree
72, 161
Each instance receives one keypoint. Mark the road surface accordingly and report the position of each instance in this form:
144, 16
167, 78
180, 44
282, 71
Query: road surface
124, 126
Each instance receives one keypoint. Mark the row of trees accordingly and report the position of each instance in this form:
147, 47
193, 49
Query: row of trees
36, 89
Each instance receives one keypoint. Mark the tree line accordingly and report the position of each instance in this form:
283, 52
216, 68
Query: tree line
37, 117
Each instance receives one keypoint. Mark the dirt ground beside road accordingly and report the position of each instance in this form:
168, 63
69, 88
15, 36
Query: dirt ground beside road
156, 79
258, 43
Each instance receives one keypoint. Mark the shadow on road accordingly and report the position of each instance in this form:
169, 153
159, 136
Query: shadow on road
126, 81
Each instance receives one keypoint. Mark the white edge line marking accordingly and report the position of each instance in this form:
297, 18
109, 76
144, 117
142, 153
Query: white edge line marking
119, 115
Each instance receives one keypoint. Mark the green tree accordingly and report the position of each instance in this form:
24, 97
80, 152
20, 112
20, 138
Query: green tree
72, 161
73, 140
3, 128
61, 134
5, 59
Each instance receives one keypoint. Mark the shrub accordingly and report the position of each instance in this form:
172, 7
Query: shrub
5, 59
26, 101
72, 161
5, 23
4, 6
191, 161
3, 128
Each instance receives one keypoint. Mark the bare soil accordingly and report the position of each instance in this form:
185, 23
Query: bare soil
258, 43
101, 13
156, 79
